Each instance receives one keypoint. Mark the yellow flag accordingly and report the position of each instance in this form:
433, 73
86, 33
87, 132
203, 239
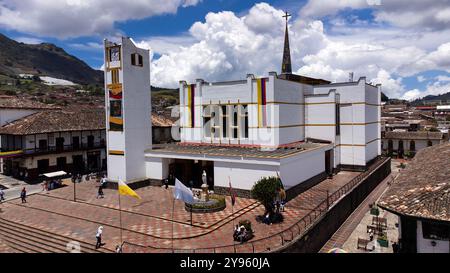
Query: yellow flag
125, 190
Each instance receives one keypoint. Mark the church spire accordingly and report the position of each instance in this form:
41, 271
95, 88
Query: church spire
286, 67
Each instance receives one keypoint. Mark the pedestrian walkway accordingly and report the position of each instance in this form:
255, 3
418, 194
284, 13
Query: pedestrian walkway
14, 187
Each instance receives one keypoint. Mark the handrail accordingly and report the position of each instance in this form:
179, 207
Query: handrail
314, 214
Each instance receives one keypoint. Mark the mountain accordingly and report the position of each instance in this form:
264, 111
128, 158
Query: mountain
444, 98
44, 60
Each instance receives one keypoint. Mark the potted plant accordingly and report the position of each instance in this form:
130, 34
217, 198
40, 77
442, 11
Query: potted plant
383, 240
374, 210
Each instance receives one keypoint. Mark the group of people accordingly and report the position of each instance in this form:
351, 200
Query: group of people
241, 234
52, 184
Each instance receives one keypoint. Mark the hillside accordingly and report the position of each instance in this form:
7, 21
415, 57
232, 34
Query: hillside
44, 60
444, 98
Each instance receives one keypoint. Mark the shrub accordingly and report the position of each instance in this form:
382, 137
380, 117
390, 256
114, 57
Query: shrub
265, 190
247, 224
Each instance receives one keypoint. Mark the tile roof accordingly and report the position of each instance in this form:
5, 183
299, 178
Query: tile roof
414, 135
234, 150
9, 102
69, 119
56, 121
423, 188
161, 121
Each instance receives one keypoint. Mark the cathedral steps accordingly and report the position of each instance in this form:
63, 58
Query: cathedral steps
27, 239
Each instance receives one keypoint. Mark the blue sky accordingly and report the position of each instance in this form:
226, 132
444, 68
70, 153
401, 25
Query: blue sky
329, 39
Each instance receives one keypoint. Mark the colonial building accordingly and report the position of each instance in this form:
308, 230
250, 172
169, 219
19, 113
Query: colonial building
404, 142
299, 128
12, 108
45, 141
420, 197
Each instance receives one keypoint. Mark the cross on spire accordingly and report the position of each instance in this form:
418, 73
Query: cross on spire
286, 66
286, 15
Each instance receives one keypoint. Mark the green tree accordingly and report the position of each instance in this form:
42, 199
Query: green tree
265, 190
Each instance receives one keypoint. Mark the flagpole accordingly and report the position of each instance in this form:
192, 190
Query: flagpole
120, 214
173, 210
232, 208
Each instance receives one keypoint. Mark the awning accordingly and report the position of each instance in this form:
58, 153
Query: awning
54, 174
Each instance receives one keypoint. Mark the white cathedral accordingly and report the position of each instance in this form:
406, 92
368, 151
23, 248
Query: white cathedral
298, 128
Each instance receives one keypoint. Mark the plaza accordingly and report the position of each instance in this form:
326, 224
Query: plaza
148, 225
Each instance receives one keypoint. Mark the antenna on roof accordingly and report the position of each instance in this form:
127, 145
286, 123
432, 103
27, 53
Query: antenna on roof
350, 77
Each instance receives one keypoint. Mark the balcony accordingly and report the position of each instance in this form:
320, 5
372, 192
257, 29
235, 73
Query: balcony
57, 149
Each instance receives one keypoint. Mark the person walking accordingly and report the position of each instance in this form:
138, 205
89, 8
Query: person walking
23, 195
100, 192
2, 195
98, 236
103, 181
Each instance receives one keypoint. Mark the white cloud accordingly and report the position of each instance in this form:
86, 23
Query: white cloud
227, 47
421, 78
74, 18
28, 40
443, 78
402, 13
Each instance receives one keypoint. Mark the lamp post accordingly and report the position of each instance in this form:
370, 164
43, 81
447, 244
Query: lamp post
191, 184
74, 181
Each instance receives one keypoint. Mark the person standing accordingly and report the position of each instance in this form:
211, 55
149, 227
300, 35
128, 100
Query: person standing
103, 181
2, 195
23, 195
98, 236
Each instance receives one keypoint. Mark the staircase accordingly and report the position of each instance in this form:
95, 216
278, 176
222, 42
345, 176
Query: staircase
25, 239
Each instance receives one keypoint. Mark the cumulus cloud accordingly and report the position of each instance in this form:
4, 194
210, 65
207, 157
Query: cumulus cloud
74, 18
227, 47
402, 13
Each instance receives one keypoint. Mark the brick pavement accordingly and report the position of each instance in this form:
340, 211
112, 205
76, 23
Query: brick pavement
148, 223
339, 238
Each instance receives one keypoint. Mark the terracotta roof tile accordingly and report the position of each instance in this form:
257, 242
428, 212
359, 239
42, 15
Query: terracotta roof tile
423, 188
56, 121
19, 103
413, 135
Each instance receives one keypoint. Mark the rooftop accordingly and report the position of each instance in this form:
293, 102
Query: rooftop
55, 121
416, 135
423, 188
234, 150
9, 102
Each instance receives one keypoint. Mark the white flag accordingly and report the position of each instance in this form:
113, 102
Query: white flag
182, 192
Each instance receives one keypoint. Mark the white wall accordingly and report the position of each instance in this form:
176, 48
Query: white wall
297, 169
136, 113
424, 245
243, 176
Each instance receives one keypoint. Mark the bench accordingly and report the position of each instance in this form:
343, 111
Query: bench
379, 221
362, 243
377, 230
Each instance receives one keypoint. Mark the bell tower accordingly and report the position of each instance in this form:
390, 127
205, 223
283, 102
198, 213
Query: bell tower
128, 109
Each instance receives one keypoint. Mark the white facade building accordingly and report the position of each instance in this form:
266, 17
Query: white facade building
128, 109
298, 128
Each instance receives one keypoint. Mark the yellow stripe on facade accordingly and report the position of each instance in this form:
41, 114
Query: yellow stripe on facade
189, 98
118, 121
11, 153
259, 89
116, 152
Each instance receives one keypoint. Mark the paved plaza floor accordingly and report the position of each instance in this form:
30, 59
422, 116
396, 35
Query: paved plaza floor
156, 223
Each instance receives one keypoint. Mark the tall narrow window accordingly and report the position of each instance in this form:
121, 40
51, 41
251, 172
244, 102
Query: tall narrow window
136, 59
338, 120
224, 122
235, 125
